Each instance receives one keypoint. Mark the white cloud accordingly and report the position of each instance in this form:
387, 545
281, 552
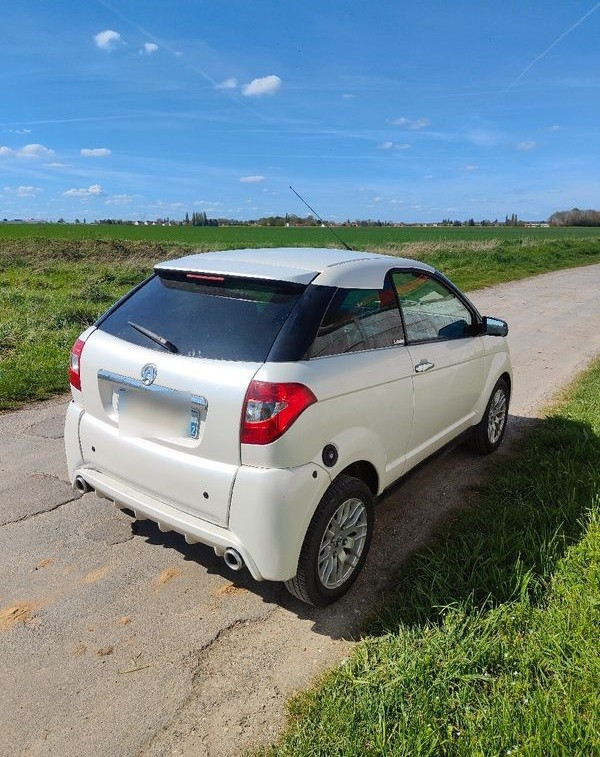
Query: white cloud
348, 96
28, 151
251, 179
23, 191
19, 131
56, 164
555, 127
119, 200
418, 123
428, 176
149, 48
95, 190
526, 145
393, 146
35, 151
95, 152
266, 85
230, 83
107, 40
471, 167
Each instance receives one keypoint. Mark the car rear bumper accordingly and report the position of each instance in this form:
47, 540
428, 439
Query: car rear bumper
269, 514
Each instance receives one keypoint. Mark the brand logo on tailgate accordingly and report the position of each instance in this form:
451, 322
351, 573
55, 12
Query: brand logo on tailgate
148, 374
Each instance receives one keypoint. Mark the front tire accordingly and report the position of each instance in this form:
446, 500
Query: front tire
336, 543
489, 432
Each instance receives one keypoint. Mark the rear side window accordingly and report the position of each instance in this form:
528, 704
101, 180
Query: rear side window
357, 320
430, 310
222, 318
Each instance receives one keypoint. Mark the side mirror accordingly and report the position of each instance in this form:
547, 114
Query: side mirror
494, 326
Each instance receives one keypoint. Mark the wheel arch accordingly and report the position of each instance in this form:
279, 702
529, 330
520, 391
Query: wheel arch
508, 378
365, 472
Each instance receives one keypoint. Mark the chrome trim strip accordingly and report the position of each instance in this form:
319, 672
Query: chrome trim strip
198, 401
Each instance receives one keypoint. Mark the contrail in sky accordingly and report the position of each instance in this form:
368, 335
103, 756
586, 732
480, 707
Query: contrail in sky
163, 44
556, 41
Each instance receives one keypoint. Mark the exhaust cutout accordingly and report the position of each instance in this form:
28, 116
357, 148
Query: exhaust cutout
81, 485
233, 559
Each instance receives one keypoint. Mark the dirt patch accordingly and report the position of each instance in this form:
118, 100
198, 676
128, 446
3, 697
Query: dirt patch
96, 575
229, 589
167, 576
12, 615
45, 563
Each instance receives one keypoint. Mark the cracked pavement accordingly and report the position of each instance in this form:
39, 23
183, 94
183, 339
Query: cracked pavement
121, 640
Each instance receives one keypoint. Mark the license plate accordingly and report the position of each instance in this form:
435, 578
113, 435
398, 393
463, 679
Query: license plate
148, 416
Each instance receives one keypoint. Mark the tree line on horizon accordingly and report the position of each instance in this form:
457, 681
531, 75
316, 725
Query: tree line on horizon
573, 217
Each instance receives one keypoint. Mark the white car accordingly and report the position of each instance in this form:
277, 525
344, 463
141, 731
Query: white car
258, 401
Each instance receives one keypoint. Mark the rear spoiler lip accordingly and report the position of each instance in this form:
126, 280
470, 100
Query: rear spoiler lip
243, 270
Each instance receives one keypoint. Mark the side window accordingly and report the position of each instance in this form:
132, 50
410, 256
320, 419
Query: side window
359, 319
430, 310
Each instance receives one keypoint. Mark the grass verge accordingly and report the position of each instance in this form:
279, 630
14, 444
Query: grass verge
52, 289
489, 645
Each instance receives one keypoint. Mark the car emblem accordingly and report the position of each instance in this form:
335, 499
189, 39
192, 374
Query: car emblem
148, 374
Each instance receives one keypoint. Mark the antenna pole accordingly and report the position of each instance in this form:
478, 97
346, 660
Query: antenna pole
312, 210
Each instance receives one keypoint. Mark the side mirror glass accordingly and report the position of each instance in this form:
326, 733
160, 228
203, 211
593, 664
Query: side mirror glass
494, 326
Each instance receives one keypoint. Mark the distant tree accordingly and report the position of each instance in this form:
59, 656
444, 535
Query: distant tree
575, 217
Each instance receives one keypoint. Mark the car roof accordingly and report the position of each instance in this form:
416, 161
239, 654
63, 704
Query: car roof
302, 265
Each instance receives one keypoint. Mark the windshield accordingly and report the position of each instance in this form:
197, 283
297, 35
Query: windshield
218, 317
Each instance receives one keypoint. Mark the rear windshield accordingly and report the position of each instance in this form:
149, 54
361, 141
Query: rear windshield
223, 318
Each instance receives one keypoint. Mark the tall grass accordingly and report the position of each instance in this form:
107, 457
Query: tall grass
489, 645
52, 289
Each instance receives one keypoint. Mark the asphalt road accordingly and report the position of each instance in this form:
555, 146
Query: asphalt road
116, 639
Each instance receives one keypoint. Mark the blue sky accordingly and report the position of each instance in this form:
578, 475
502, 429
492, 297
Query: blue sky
408, 111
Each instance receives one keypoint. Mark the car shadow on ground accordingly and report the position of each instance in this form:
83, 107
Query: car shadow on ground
408, 517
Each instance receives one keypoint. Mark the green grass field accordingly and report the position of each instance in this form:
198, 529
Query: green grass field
229, 237
52, 288
489, 645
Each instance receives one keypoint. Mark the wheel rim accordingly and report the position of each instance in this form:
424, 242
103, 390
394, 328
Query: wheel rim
343, 543
497, 416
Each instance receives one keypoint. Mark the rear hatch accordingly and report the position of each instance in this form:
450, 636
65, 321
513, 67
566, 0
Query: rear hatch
163, 381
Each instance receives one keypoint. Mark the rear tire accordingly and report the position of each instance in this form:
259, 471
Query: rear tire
489, 432
336, 543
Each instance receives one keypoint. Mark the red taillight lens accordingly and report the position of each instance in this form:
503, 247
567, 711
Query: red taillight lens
75, 364
270, 409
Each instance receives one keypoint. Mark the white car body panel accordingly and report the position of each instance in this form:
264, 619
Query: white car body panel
181, 470
259, 499
358, 393
458, 372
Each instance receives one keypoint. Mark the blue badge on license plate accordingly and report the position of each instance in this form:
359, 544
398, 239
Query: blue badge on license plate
195, 424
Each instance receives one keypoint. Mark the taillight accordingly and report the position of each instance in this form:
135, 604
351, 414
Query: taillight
75, 364
270, 409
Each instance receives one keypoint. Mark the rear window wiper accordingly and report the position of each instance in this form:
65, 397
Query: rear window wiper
165, 343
